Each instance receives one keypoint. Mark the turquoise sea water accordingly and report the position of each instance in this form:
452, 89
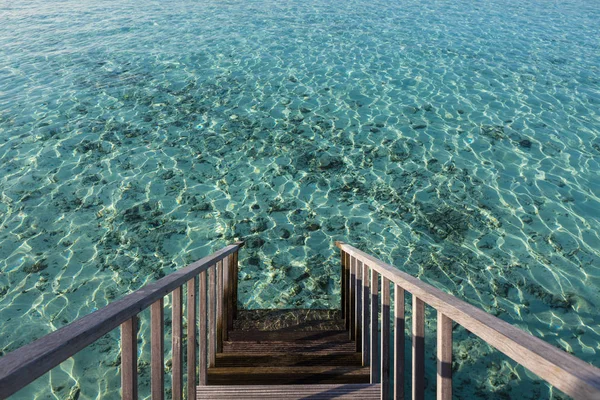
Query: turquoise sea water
458, 140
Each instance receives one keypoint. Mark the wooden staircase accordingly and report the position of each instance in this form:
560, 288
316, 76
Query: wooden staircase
289, 354
294, 354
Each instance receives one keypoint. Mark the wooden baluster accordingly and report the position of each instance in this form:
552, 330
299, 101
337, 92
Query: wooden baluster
418, 346
203, 380
347, 286
191, 339
212, 324
385, 338
225, 297
444, 364
375, 375
365, 317
235, 285
399, 342
129, 354
358, 305
157, 353
219, 296
177, 369
352, 298
230, 286
343, 282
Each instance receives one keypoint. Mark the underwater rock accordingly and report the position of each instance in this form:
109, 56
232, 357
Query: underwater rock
284, 234
203, 206
525, 143
255, 242
142, 212
313, 227
447, 222
36, 267
281, 205
487, 241
168, 175
493, 131
91, 179
253, 260
260, 225
327, 161
335, 224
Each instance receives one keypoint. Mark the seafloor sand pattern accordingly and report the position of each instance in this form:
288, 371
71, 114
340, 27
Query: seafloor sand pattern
459, 140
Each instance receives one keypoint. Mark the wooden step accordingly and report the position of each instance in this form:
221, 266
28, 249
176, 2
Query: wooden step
289, 320
287, 359
290, 392
281, 336
287, 375
299, 346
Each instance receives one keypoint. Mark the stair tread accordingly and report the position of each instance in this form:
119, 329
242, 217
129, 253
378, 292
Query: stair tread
261, 336
287, 375
290, 392
287, 359
289, 320
300, 346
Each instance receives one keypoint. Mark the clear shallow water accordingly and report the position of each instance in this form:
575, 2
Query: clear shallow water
458, 140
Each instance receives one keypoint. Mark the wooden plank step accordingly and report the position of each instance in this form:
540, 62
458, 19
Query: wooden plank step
288, 375
287, 360
290, 320
290, 392
303, 346
261, 336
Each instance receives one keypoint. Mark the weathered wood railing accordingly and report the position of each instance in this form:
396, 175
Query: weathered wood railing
360, 306
216, 313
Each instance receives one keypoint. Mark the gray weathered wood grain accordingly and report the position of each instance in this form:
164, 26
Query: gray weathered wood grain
566, 372
22, 366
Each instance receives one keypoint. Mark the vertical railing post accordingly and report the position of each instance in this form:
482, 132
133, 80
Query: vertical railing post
212, 324
176, 348
191, 339
203, 373
352, 298
365, 317
157, 350
219, 314
129, 385
399, 325
358, 304
225, 297
235, 285
418, 347
375, 374
385, 338
347, 286
444, 364
343, 282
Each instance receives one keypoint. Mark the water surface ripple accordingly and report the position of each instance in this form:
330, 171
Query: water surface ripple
458, 140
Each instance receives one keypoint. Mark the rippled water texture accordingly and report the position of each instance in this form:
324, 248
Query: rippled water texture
459, 140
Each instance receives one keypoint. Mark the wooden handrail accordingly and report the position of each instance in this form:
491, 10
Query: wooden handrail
24, 365
571, 375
